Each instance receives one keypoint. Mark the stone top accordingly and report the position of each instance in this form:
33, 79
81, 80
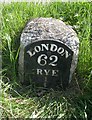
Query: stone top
49, 28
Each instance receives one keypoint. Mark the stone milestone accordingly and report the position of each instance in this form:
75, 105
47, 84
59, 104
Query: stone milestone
48, 53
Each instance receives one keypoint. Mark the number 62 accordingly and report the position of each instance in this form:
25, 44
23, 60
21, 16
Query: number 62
42, 60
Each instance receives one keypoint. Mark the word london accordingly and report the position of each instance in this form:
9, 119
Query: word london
49, 47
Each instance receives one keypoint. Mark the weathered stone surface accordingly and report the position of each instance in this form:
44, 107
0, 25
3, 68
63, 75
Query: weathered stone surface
48, 29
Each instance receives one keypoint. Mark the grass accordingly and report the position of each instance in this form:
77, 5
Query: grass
28, 102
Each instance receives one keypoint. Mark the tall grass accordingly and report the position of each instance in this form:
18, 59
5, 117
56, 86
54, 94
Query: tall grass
19, 102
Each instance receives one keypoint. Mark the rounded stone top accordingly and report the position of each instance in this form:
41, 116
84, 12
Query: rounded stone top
49, 29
